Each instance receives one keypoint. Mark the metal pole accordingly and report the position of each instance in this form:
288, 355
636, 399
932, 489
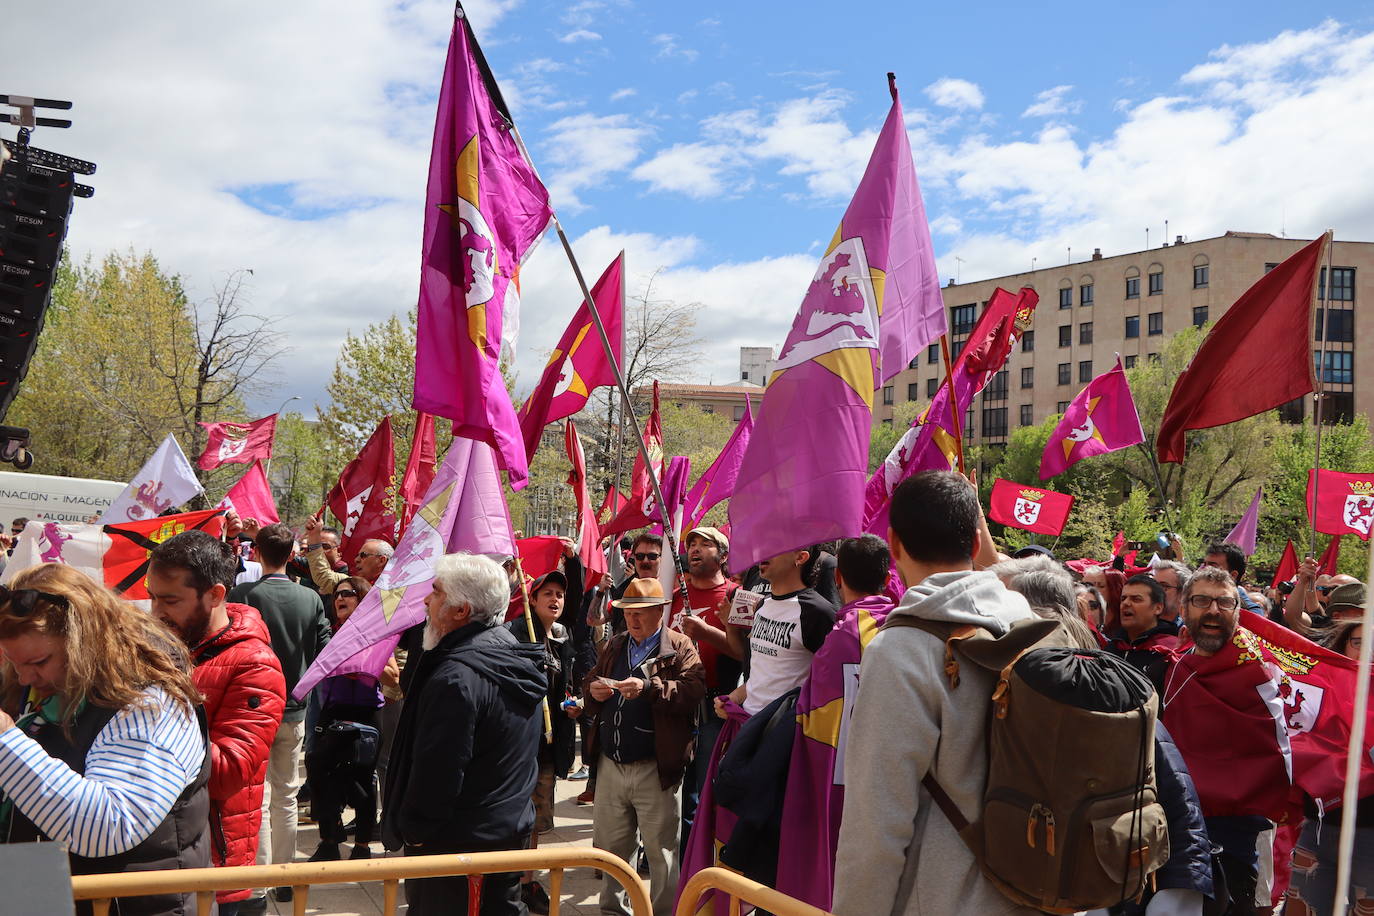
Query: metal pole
1317, 397
267, 470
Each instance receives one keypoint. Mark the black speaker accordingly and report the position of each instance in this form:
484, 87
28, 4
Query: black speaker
33, 189
24, 291
33, 241
18, 339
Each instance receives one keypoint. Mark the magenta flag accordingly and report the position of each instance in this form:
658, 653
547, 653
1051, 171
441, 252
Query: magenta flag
463, 509
716, 485
930, 443
1101, 419
251, 497
873, 303
485, 210
578, 365
1247, 529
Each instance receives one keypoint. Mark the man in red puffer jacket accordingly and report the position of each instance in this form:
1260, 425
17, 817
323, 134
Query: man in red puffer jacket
237, 671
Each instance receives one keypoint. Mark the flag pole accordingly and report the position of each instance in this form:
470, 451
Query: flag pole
620, 425
1159, 482
1354, 758
529, 628
953, 403
1317, 397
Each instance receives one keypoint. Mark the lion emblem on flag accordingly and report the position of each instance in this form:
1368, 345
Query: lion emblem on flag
1026, 511
1359, 508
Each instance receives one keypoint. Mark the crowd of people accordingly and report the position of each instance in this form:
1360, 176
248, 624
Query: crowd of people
823, 721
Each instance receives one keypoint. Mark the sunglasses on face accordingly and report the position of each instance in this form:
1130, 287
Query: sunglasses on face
22, 601
1203, 602
1325, 589
345, 593
646, 556
362, 555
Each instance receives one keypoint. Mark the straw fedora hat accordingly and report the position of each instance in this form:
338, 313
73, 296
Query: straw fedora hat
642, 593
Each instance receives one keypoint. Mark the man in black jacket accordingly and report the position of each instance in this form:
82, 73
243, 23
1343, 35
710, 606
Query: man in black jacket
463, 765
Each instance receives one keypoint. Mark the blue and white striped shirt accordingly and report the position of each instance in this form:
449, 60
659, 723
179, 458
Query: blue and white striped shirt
140, 763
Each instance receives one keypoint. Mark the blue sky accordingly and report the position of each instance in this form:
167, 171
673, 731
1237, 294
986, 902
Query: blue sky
716, 143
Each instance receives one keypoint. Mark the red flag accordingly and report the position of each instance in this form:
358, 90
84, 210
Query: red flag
1341, 503
613, 503
635, 513
578, 364
1118, 543
1288, 566
125, 561
362, 499
420, 467
251, 497
1029, 508
588, 531
1256, 357
1319, 708
539, 555
237, 443
1326, 566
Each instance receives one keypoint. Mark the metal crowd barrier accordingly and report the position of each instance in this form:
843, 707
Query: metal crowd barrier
101, 889
739, 889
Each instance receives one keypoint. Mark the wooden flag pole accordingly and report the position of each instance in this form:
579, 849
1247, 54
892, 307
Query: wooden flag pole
529, 628
1317, 396
953, 403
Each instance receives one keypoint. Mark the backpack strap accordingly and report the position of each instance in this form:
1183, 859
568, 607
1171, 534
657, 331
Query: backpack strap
951, 634
946, 804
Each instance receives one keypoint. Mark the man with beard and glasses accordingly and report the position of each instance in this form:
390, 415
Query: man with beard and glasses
1223, 706
237, 671
465, 758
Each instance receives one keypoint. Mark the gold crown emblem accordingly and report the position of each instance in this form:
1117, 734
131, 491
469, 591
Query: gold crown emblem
1362, 487
1035, 495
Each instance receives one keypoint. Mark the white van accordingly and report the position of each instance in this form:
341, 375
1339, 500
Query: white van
59, 499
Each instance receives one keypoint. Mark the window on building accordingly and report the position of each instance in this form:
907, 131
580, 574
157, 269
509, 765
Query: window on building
1342, 284
933, 353
1199, 315
1028, 342
932, 386
1085, 294
996, 389
1340, 325
962, 317
1132, 287
1065, 335
994, 422
1338, 407
1156, 283
1132, 326
1085, 332
744, 375
1156, 323
1130, 362
1153, 358
1200, 275
1065, 373
1085, 370
1293, 411
708, 408
968, 424
1027, 415
1066, 297
913, 391
887, 394
1270, 265
739, 414
915, 362
1339, 366
1061, 407
1028, 377
956, 348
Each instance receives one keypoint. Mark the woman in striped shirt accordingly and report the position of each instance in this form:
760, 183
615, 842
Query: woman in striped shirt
101, 745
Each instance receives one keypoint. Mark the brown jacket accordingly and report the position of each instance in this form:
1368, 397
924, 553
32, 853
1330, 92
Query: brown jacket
676, 690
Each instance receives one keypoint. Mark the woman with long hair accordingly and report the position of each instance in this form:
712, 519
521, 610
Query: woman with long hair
101, 746
341, 767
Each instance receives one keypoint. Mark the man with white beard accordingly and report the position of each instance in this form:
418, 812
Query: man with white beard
464, 761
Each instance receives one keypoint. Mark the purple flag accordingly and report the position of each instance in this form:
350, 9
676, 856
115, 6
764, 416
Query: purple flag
718, 482
1248, 527
484, 212
814, 800
1101, 419
462, 510
873, 303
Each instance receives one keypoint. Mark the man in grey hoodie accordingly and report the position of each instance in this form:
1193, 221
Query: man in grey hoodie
898, 853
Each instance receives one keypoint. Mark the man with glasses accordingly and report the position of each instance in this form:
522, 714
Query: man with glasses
322, 553
1173, 577
1223, 705
645, 554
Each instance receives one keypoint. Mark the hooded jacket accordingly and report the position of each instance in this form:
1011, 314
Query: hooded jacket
245, 696
898, 853
463, 762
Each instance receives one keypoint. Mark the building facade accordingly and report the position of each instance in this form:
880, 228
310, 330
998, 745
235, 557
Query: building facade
1131, 304
726, 400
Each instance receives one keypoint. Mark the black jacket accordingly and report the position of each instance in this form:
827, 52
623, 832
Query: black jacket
463, 762
557, 664
1189, 865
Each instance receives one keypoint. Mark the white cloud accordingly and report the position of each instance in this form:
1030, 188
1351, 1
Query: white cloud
579, 35
668, 47
625, 93
1053, 102
585, 149
694, 169
958, 94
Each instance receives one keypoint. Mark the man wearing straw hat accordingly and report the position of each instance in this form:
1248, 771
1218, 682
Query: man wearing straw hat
644, 693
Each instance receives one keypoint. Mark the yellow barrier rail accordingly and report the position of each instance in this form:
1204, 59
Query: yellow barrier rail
300, 876
740, 889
